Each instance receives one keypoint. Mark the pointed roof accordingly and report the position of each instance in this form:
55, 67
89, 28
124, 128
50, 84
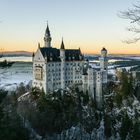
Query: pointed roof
80, 50
103, 49
33, 54
62, 45
47, 30
38, 45
53, 54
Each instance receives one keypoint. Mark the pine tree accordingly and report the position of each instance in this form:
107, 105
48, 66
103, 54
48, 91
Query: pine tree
126, 126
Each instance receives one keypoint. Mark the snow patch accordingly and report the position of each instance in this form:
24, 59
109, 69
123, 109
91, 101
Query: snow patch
11, 77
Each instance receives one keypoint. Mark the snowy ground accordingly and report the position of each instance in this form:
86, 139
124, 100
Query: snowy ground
19, 72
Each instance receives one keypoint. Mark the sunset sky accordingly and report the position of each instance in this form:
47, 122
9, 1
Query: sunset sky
88, 24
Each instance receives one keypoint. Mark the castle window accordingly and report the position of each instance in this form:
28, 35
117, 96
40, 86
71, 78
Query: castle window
38, 73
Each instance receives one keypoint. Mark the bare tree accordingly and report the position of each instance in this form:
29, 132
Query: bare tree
133, 15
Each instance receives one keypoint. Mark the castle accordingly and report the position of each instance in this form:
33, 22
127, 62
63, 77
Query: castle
60, 68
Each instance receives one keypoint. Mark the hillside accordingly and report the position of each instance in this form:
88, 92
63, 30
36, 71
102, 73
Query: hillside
71, 114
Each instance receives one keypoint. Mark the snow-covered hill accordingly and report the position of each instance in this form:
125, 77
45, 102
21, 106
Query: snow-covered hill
14, 75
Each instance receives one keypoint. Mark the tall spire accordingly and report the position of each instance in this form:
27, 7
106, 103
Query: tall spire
47, 37
47, 32
38, 45
79, 50
62, 45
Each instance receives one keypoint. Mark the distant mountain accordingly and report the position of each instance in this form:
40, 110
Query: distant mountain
89, 56
114, 56
17, 53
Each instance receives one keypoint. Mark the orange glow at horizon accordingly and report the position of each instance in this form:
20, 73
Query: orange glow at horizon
86, 48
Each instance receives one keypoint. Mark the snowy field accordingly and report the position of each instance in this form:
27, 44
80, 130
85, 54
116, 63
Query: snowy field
17, 59
19, 72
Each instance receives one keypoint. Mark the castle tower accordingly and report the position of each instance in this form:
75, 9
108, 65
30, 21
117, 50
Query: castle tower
101, 79
91, 82
85, 76
47, 38
62, 57
104, 65
99, 90
103, 59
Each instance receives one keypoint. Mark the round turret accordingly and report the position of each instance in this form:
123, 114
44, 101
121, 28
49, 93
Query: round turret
103, 52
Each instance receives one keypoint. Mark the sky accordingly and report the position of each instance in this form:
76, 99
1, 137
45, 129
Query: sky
88, 24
